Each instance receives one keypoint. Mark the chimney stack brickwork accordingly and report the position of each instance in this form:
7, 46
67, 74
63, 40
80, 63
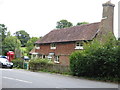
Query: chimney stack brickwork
106, 25
108, 12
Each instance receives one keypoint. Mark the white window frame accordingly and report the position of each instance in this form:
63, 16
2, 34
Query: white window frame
37, 46
53, 46
79, 45
56, 60
49, 57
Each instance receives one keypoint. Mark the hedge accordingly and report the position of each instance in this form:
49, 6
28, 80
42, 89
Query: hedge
97, 60
18, 63
48, 66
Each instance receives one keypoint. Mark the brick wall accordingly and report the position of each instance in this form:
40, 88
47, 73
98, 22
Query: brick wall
63, 50
64, 60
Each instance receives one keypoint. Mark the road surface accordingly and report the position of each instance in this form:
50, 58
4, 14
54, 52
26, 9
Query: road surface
13, 78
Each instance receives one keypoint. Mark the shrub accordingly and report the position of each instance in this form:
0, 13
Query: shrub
18, 63
39, 64
47, 66
97, 60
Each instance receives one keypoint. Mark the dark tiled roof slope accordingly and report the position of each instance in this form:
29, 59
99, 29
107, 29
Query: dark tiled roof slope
75, 33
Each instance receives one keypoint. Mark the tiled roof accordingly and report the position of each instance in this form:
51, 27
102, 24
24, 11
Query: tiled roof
75, 33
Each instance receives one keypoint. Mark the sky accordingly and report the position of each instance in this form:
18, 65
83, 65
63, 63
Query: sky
38, 17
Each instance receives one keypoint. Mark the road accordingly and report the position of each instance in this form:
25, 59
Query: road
13, 78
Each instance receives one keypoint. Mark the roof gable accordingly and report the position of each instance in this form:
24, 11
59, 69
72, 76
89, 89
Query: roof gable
75, 33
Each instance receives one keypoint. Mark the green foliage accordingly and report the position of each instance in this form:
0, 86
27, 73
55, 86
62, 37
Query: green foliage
97, 60
18, 63
24, 51
47, 66
30, 44
10, 43
35, 64
63, 24
3, 31
81, 23
22, 36
8, 34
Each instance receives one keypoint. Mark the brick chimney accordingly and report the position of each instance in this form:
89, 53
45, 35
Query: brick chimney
106, 25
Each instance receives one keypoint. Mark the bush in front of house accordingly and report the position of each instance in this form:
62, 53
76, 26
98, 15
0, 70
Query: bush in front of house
97, 60
47, 65
39, 64
18, 63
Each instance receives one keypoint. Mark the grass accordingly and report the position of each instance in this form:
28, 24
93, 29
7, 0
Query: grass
103, 79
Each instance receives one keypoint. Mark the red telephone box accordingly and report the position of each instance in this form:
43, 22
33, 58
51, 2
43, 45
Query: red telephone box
10, 55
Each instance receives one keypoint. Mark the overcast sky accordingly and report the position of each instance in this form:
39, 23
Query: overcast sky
38, 17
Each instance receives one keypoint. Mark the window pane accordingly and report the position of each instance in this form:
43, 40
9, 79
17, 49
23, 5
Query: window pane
53, 46
57, 58
77, 44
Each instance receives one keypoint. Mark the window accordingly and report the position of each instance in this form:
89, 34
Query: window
53, 46
37, 46
43, 56
79, 45
56, 59
49, 57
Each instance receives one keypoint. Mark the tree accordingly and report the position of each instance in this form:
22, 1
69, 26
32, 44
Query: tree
3, 31
80, 23
22, 36
10, 43
8, 34
63, 24
30, 43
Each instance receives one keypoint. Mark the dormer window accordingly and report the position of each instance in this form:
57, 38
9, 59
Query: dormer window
79, 45
37, 46
53, 46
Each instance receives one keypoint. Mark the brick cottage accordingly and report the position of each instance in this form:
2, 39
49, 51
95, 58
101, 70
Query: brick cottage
58, 44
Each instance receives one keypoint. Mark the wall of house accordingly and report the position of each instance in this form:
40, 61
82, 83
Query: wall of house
63, 50
64, 60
